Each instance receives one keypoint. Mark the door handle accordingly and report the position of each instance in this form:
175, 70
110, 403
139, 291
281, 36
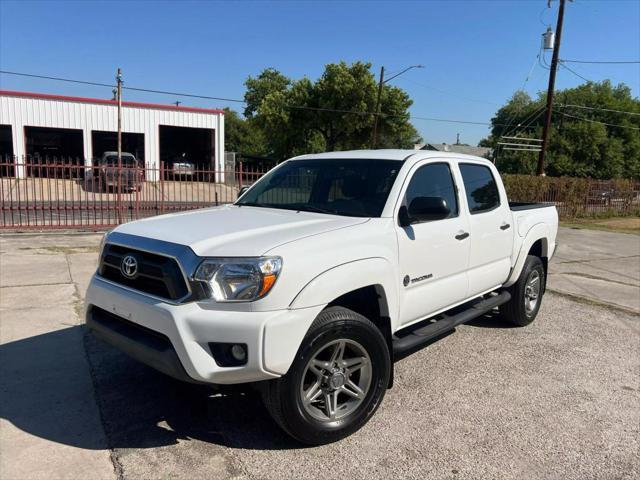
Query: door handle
504, 226
462, 235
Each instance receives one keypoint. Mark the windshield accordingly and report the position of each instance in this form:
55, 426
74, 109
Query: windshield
127, 161
350, 187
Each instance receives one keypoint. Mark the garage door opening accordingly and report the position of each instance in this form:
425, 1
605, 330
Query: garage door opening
6, 152
54, 152
108, 142
185, 145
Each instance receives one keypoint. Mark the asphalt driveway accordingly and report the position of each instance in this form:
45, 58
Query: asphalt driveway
557, 399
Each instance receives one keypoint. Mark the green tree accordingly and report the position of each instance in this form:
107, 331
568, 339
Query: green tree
242, 135
302, 116
598, 141
268, 82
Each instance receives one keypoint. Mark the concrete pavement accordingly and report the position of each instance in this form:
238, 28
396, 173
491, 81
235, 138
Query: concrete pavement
50, 426
559, 398
598, 266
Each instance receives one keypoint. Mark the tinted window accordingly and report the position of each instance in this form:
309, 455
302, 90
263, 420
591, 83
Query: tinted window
434, 180
351, 187
127, 160
482, 191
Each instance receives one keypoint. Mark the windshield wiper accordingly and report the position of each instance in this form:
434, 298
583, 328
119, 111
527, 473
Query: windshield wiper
252, 204
313, 208
300, 208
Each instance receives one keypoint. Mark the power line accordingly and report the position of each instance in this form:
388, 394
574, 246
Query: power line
575, 73
594, 61
524, 84
84, 82
146, 90
560, 62
533, 116
598, 109
208, 97
542, 60
452, 94
596, 121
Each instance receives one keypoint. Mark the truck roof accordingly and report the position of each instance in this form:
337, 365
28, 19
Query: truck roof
386, 154
104, 154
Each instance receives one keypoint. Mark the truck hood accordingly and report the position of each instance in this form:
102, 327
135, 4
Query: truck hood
232, 231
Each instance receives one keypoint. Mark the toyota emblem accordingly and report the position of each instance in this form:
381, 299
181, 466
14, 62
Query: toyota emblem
129, 266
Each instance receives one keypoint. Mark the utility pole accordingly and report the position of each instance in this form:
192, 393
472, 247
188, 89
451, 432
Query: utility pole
119, 186
552, 83
374, 136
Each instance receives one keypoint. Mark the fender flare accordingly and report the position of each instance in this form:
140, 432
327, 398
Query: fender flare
539, 231
344, 278
314, 296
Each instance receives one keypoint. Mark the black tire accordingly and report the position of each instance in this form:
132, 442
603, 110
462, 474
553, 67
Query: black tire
283, 397
519, 309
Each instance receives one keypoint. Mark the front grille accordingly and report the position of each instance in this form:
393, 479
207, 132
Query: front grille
150, 338
156, 275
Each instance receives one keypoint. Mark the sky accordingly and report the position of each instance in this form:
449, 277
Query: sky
476, 53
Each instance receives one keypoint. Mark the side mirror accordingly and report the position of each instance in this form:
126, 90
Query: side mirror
242, 191
424, 209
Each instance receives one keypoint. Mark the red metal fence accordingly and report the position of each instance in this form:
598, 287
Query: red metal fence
50, 193
577, 197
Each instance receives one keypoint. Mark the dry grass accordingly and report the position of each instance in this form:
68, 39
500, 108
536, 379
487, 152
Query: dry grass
618, 224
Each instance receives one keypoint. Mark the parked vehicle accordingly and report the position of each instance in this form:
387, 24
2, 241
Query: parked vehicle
182, 168
323, 272
129, 178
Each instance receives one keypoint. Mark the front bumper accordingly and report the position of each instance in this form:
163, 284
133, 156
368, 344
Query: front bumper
175, 338
125, 186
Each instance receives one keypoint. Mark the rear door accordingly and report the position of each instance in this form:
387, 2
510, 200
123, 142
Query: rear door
433, 262
491, 232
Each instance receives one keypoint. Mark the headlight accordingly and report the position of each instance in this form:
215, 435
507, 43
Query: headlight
238, 279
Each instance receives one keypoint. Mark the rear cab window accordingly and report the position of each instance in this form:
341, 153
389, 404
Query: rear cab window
481, 188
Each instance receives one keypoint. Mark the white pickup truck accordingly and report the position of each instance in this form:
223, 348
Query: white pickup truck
317, 277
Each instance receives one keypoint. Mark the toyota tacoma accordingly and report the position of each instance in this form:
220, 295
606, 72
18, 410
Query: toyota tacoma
320, 275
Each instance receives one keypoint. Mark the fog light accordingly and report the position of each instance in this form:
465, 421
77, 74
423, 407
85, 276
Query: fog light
239, 353
229, 354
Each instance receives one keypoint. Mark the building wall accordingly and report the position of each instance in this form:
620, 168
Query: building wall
20, 112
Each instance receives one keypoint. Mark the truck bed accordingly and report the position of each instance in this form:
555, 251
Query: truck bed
517, 206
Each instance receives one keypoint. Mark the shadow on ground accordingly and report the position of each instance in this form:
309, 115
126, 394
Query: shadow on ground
490, 320
139, 407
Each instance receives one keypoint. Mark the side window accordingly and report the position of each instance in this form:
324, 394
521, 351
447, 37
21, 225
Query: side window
434, 180
482, 191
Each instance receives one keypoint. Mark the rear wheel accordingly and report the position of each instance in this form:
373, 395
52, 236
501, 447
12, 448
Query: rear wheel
336, 382
526, 294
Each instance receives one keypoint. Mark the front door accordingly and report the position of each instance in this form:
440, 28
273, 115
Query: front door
433, 262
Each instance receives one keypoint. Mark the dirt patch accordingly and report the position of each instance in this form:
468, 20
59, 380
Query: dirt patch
630, 223
62, 250
617, 224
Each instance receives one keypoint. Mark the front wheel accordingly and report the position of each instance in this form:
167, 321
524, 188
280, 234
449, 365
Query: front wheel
526, 294
336, 382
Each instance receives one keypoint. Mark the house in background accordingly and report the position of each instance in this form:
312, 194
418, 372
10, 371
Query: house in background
457, 147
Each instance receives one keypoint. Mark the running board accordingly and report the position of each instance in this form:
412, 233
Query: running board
427, 333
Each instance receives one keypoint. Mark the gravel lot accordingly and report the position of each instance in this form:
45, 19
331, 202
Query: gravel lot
557, 399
